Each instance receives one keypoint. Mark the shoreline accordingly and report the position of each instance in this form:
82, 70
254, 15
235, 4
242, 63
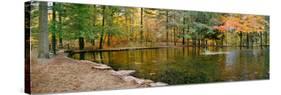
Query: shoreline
63, 74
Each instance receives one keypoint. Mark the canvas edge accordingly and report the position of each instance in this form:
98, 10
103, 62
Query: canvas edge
27, 17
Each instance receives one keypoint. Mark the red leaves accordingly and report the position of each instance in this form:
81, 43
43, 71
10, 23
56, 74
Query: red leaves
242, 23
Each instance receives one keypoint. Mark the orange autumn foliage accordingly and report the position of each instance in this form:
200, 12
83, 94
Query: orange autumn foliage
242, 23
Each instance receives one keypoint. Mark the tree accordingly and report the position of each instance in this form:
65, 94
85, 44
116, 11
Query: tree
167, 26
54, 28
103, 27
241, 24
266, 33
94, 19
107, 26
183, 30
60, 23
79, 22
43, 28
111, 27
141, 25
186, 25
174, 26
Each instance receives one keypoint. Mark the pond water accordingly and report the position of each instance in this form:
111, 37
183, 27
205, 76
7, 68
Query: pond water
187, 65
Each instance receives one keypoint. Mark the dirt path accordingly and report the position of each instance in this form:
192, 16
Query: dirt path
62, 74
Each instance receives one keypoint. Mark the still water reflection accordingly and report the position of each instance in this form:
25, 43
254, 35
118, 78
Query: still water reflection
186, 65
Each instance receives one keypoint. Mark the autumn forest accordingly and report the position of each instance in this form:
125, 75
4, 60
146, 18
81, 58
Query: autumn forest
78, 26
163, 45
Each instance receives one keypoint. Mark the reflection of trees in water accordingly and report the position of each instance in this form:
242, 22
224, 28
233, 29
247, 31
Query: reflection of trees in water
128, 59
231, 57
193, 73
94, 56
101, 57
188, 65
247, 65
82, 56
188, 70
141, 54
109, 55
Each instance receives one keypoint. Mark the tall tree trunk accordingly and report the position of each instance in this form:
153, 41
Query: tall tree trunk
141, 22
81, 47
167, 27
132, 27
199, 42
102, 32
187, 42
54, 28
175, 32
27, 47
94, 23
253, 41
266, 38
126, 23
109, 33
43, 28
174, 36
241, 39
81, 43
261, 39
183, 31
60, 27
247, 39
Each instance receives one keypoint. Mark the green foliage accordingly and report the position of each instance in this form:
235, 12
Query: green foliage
53, 26
187, 36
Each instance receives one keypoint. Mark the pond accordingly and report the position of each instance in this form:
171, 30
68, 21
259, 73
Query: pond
188, 65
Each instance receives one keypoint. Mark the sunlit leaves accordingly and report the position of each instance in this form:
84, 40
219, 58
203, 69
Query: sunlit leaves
242, 23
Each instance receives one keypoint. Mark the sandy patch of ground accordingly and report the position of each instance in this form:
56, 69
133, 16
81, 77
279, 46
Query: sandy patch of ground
62, 74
